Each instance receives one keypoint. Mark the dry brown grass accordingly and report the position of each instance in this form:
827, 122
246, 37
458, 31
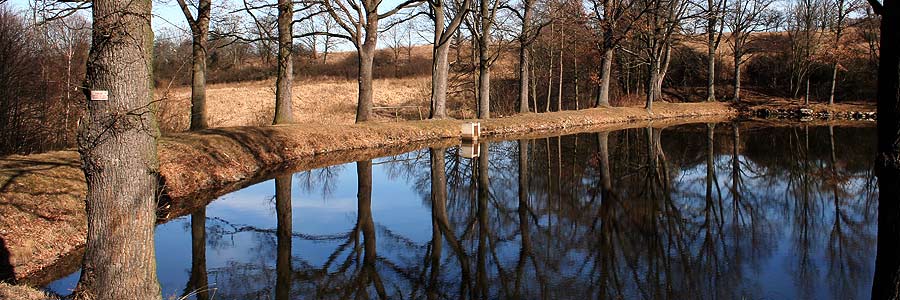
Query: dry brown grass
325, 100
19, 292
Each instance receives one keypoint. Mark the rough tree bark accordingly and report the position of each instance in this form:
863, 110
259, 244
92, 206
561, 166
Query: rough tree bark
887, 264
605, 77
284, 82
482, 29
440, 65
712, 44
117, 142
839, 30
737, 73
440, 70
526, 38
484, 67
199, 40
366, 101
523, 79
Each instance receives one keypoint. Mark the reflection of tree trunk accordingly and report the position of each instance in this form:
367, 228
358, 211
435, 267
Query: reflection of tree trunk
438, 212
441, 222
605, 179
198, 283
710, 152
366, 224
483, 227
284, 233
525, 243
736, 163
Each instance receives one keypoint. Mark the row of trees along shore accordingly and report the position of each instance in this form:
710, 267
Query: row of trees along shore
490, 56
117, 137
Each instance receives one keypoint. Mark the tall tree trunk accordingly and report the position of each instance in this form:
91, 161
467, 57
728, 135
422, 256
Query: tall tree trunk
439, 73
198, 85
653, 68
806, 98
549, 75
525, 40
486, 20
661, 76
284, 82
117, 142
605, 78
887, 263
737, 73
575, 79
284, 239
834, 74
523, 77
484, 80
366, 90
532, 80
199, 51
837, 42
711, 51
559, 92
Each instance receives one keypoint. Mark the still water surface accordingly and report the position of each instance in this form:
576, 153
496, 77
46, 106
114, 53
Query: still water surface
708, 211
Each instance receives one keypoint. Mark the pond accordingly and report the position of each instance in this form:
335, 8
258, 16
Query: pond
728, 210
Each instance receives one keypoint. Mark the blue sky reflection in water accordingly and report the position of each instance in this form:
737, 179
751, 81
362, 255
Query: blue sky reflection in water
788, 214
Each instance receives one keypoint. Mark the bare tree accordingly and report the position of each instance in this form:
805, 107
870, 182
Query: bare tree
328, 41
117, 143
359, 19
745, 19
397, 41
199, 25
663, 23
613, 20
527, 35
444, 30
841, 9
804, 24
481, 25
713, 11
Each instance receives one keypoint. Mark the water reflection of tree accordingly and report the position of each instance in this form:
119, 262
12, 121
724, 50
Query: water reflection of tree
629, 214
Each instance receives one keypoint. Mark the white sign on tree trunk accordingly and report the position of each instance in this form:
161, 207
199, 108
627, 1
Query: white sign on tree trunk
99, 95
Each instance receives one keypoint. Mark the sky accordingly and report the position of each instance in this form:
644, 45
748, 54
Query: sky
169, 21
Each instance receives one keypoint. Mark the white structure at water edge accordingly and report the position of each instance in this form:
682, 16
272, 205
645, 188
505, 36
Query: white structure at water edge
470, 131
